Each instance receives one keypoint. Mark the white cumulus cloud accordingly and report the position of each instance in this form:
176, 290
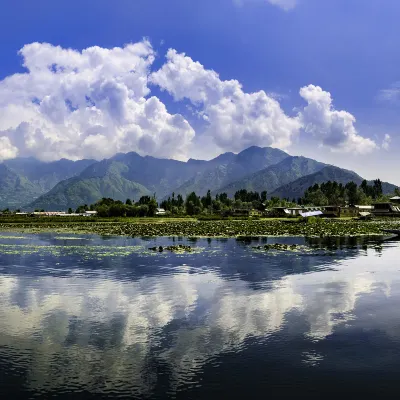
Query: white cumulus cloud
97, 102
92, 103
235, 119
334, 129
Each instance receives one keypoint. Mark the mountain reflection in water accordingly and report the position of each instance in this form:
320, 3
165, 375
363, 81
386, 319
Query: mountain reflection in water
77, 319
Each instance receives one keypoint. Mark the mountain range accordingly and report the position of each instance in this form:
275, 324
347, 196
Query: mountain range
29, 184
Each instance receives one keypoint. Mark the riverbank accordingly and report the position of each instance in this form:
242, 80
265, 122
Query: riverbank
191, 228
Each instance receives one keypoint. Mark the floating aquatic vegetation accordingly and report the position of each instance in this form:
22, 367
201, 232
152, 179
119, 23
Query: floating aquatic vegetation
232, 228
58, 251
180, 248
92, 252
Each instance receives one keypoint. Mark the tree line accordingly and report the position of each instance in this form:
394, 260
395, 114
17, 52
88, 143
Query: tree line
327, 193
176, 205
337, 194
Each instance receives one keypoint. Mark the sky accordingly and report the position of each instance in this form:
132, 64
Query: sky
192, 79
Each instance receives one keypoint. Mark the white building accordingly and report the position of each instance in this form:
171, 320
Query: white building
91, 212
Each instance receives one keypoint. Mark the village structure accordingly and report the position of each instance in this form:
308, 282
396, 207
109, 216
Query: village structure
387, 209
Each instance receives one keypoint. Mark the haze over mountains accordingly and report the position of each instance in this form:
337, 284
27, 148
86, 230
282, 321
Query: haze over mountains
30, 184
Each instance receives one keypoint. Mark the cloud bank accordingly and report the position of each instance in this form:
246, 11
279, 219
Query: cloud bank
97, 102
92, 103
235, 119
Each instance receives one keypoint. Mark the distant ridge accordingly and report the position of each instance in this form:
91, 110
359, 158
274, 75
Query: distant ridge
286, 171
33, 184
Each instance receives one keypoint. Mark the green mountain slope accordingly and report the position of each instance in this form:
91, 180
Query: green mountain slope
160, 176
131, 175
243, 164
16, 190
77, 191
269, 179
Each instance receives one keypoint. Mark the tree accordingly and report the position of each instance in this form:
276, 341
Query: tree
193, 204
117, 210
179, 201
152, 207
102, 211
315, 198
364, 186
128, 202
144, 200
70, 210
207, 200
264, 196
143, 210
378, 191
352, 193
82, 209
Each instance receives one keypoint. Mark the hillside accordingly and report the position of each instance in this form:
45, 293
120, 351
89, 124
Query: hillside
15, 190
296, 189
77, 191
269, 179
237, 166
131, 176
62, 184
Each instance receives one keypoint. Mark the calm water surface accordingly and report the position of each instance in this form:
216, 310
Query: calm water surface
91, 317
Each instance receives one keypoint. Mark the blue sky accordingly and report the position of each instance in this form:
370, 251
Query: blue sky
346, 47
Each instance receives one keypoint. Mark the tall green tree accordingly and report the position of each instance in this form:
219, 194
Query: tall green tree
152, 205
193, 204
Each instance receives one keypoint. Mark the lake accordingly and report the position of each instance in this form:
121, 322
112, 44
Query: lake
104, 317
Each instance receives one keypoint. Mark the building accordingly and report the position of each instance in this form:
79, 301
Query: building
49, 213
386, 210
340, 212
160, 211
364, 208
395, 200
307, 214
364, 212
285, 212
90, 213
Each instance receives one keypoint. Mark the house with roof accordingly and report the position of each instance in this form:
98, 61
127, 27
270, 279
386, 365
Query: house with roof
395, 200
386, 209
